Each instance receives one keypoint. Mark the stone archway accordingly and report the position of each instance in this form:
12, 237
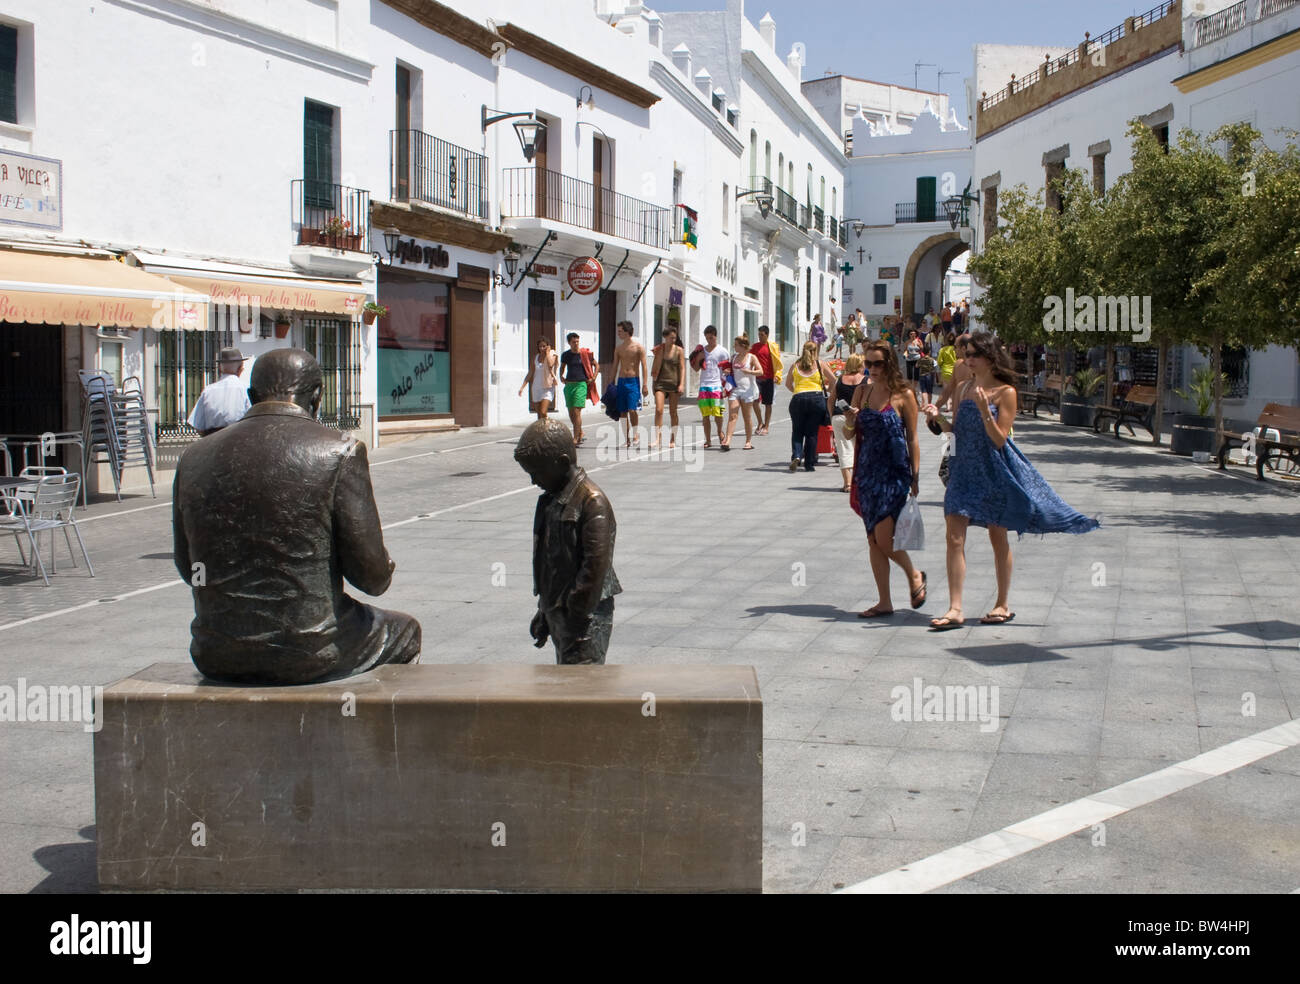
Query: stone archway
956, 246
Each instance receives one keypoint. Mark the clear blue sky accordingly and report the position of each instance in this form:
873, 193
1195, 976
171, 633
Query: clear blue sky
882, 41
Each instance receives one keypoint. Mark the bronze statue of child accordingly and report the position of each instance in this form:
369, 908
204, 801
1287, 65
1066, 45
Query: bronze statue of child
573, 548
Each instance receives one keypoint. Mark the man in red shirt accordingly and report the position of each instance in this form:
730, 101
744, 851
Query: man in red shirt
769, 357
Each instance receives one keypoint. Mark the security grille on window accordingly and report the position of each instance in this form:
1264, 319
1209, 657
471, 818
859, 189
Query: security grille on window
187, 362
337, 346
1236, 366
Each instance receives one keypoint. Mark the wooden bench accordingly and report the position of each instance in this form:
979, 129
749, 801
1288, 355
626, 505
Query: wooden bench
1029, 400
498, 777
1281, 418
1138, 406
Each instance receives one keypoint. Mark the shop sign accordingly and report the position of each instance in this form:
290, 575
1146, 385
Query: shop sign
546, 269
585, 275
31, 190
887, 273
410, 251
674, 296
413, 382
725, 269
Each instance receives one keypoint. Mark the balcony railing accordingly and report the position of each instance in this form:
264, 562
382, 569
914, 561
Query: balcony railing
910, 212
331, 215
531, 192
423, 168
819, 220
1220, 24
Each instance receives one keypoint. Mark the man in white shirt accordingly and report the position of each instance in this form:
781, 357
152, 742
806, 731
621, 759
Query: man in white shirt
711, 398
226, 400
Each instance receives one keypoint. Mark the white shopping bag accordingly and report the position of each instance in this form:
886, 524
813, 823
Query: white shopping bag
909, 533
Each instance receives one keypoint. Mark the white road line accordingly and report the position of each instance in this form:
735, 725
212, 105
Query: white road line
122, 512
1020, 838
90, 604
426, 454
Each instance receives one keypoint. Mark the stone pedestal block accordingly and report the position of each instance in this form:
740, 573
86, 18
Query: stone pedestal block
507, 778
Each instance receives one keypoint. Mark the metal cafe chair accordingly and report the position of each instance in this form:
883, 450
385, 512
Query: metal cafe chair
51, 508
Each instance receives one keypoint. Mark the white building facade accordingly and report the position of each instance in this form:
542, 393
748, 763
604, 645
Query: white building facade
843, 99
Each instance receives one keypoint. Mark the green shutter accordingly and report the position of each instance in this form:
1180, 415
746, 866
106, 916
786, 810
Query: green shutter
8, 74
925, 195
318, 154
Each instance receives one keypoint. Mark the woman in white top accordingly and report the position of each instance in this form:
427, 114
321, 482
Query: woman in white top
745, 368
542, 378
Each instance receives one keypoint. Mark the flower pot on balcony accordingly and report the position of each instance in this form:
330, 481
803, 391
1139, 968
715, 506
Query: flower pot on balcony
1191, 432
282, 329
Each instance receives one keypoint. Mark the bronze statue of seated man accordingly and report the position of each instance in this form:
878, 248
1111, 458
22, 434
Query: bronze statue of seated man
269, 515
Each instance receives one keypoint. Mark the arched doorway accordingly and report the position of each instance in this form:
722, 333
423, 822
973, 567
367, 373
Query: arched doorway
929, 261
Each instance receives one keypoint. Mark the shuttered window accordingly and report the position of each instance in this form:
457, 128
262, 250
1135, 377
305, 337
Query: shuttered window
8, 74
925, 199
318, 154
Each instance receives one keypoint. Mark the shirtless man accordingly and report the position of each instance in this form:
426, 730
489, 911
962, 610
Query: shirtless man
633, 374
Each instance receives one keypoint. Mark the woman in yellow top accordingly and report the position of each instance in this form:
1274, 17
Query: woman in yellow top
806, 379
947, 360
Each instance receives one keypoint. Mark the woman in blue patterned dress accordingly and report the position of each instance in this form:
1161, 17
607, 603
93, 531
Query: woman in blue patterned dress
989, 481
886, 460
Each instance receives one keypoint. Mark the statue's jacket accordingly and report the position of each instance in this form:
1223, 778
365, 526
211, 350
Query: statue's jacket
573, 549
269, 516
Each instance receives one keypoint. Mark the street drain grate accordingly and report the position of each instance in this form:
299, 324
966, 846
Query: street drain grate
464, 474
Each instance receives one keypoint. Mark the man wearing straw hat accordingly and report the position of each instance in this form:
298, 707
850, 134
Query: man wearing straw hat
226, 400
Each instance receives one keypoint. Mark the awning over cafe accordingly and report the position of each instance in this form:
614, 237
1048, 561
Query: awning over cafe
45, 288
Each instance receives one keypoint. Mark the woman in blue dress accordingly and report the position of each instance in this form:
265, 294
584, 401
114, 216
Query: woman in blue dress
989, 481
886, 460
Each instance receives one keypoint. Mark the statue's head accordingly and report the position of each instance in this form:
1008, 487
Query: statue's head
547, 452
287, 376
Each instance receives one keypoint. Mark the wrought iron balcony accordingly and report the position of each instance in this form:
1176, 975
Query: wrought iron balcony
424, 168
331, 215
819, 220
919, 212
531, 192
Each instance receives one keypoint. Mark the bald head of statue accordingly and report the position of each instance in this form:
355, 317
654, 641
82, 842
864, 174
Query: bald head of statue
287, 376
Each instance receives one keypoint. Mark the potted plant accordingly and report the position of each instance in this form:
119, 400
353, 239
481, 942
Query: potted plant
371, 311
1195, 431
282, 326
338, 229
1076, 403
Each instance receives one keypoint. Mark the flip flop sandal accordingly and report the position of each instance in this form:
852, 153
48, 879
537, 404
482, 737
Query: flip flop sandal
875, 613
946, 624
991, 619
918, 602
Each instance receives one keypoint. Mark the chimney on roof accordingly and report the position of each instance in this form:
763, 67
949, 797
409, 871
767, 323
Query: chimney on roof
704, 82
795, 61
655, 31
767, 31
682, 59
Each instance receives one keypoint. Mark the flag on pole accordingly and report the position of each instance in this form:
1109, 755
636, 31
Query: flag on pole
690, 219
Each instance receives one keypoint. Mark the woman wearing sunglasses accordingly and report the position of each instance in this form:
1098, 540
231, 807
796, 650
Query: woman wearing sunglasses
989, 481
886, 464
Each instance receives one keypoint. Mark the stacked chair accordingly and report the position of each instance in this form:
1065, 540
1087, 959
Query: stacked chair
115, 426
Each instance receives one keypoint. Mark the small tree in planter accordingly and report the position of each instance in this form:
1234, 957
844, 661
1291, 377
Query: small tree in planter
1076, 404
1194, 432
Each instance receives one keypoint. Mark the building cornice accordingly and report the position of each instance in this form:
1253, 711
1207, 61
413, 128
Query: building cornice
577, 66
1266, 51
449, 23
426, 223
684, 94
795, 104
203, 17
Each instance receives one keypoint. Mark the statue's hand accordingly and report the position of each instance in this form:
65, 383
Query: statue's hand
539, 630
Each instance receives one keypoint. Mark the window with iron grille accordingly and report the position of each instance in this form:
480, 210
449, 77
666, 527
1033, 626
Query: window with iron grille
336, 343
187, 362
1236, 366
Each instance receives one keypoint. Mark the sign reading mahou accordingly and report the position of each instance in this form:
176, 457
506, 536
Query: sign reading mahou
31, 190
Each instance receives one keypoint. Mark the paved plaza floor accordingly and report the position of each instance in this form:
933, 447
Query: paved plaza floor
1172, 632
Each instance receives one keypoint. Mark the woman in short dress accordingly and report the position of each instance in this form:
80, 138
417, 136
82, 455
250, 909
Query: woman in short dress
989, 481
744, 369
886, 469
669, 375
839, 401
542, 379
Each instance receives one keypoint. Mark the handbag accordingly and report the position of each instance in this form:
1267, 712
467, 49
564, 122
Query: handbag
945, 451
909, 531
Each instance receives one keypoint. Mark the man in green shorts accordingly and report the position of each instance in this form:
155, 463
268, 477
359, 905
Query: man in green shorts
575, 378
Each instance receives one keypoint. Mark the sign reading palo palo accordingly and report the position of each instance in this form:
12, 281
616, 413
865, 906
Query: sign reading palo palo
585, 275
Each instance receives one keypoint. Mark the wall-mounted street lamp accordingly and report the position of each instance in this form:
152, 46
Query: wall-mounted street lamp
511, 260
857, 225
526, 130
762, 198
957, 208
590, 100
